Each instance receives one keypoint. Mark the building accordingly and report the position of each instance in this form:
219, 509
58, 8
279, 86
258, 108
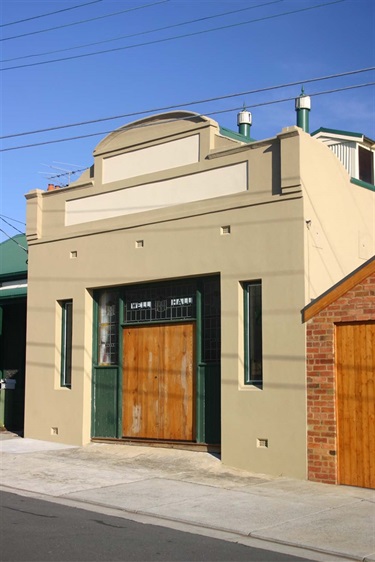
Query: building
13, 288
166, 284
340, 339
354, 150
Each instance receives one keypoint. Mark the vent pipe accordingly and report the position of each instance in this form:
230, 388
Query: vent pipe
244, 121
303, 106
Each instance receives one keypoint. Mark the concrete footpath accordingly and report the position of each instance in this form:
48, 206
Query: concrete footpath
194, 492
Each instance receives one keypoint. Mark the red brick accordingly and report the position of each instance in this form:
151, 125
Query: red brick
357, 304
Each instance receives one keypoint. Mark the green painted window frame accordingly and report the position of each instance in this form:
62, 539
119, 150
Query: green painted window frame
361, 183
66, 343
253, 333
365, 165
108, 329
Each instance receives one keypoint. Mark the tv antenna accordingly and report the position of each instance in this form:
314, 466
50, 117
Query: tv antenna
63, 172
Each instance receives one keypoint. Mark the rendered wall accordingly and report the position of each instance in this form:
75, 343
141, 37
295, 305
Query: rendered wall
186, 247
340, 218
265, 242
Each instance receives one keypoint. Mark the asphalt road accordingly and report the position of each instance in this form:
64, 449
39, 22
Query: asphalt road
38, 530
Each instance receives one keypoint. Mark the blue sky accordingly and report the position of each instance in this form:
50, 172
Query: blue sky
303, 43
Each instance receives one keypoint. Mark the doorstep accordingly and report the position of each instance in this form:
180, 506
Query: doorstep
182, 445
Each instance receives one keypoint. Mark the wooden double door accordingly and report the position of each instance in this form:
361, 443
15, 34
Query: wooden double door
355, 349
158, 401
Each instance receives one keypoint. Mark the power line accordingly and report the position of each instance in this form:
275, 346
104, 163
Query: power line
144, 32
50, 13
13, 240
192, 34
9, 224
83, 21
141, 125
194, 102
13, 220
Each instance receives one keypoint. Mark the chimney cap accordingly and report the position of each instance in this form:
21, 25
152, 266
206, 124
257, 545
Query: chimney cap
303, 101
244, 117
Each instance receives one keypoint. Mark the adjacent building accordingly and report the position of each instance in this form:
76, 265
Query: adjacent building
13, 289
340, 373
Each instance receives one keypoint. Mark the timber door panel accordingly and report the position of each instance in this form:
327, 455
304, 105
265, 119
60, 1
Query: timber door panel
355, 349
158, 384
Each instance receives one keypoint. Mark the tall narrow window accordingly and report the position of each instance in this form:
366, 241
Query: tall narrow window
253, 333
108, 327
366, 165
66, 344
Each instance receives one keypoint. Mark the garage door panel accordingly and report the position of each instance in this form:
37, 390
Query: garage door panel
355, 353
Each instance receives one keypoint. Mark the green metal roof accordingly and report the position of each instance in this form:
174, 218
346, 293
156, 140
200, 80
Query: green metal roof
12, 293
13, 257
235, 136
337, 132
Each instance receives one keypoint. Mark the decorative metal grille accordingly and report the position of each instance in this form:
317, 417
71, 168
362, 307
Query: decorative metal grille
160, 303
164, 302
211, 320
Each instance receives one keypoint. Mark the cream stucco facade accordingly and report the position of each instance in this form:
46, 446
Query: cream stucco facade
171, 197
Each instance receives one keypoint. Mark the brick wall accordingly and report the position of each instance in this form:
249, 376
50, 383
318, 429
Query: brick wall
357, 305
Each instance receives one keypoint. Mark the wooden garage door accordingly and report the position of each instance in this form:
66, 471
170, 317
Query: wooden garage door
356, 404
158, 381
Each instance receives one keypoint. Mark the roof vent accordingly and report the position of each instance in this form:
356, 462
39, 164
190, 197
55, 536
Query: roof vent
244, 120
303, 106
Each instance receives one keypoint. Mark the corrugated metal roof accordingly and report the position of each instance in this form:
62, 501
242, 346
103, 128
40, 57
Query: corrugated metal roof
13, 257
337, 132
13, 293
233, 135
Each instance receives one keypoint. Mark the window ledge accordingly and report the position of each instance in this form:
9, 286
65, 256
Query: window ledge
364, 184
250, 387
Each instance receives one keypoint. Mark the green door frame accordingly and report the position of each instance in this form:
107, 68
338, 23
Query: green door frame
201, 368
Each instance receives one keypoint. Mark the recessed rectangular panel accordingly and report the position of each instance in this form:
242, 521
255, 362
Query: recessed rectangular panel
152, 159
194, 187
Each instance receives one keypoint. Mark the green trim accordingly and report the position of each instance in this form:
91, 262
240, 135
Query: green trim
121, 303
13, 293
206, 376
95, 332
363, 184
248, 380
93, 357
245, 331
153, 322
199, 392
235, 136
96, 368
337, 132
66, 346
